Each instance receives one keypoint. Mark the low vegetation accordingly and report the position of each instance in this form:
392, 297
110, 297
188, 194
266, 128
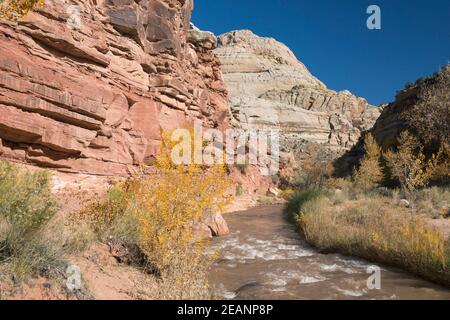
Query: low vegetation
377, 228
153, 217
243, 167
390, 210
27, 209
150, 215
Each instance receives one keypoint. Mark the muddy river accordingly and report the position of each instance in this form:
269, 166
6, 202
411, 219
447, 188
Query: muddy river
264, 257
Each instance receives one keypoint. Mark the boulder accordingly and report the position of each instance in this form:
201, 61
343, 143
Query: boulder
211, 225
217, 224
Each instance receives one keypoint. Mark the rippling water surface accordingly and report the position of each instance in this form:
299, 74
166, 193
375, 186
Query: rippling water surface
264, 257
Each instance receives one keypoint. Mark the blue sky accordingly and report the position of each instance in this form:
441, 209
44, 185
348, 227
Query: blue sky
331, 38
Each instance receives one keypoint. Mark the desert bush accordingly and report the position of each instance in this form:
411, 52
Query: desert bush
408, 163
276, 179
339, 183
104, 217
287, 193
26, 208
187, 279
14, 9
370, 173
440, 165
376, 229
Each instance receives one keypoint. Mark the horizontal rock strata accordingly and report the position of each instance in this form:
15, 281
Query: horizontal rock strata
86, 86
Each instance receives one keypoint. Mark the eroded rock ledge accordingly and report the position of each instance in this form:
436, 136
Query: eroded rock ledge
93, 99
270, 88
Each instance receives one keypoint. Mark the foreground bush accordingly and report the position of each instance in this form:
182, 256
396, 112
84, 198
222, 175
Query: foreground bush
376, 228
299, 198
155, 213
26, 208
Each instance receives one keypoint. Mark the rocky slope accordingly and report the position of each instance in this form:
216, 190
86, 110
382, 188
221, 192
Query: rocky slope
422, 108
269, 88
89, 93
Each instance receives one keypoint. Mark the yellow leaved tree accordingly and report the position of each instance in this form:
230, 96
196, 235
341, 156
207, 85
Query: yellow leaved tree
170, 200
156, 212
370, 173
15, 9
408, 163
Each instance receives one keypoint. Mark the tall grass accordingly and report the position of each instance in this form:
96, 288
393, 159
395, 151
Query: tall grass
376, 228
299, 198
27, 247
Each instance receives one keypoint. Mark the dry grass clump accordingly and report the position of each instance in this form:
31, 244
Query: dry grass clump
376, 228
433, 202
27, 238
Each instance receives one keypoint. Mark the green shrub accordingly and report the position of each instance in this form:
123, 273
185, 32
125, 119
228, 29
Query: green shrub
26, 208
276, 179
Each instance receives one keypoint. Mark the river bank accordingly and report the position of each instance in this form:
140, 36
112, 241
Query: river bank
412, 235
265, 257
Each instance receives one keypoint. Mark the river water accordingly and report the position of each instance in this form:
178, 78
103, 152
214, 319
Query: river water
264, 257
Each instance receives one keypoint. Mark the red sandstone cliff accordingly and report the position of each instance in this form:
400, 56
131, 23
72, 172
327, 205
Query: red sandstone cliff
92, 97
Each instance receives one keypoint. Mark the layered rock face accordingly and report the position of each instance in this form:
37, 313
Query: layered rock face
86, 85
269, 88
